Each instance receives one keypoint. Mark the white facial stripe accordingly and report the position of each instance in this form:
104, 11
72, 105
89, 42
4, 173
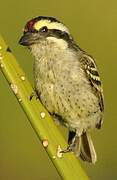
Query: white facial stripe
59, 42
50, 25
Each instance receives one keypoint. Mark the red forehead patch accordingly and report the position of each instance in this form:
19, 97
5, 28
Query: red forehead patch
30, 25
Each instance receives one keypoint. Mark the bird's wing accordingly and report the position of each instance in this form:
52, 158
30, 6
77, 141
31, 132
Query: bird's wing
89, 66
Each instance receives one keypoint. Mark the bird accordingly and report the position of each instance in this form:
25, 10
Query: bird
67, 82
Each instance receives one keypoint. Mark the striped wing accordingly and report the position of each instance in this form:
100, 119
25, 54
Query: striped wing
90, 68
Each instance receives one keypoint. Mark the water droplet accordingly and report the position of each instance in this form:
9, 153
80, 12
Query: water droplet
22, 78
14, 88
54, 157
45, 143
42, 114
19, 99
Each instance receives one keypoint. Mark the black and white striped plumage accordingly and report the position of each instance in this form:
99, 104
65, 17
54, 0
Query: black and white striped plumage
67, 82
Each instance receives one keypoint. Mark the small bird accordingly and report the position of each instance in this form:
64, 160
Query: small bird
66, 81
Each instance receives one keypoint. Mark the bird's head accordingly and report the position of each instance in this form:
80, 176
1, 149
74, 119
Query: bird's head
45, 29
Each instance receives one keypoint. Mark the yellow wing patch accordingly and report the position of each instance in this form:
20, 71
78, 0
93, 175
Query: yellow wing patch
50, 25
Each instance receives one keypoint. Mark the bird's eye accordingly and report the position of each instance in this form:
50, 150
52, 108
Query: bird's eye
44, 29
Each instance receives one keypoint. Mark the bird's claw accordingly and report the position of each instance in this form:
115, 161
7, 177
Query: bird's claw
68, 149
34, 94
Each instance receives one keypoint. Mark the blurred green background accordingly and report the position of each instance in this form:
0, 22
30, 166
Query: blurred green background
94, 26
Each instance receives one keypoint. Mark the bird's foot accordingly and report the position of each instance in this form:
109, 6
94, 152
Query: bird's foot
68, 149
34, 94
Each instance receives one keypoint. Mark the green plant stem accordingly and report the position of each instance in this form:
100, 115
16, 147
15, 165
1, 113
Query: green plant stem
68, 165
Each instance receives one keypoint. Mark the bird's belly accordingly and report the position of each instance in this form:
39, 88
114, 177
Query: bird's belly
78, 107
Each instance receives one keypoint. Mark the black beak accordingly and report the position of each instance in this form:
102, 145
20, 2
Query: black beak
26, 39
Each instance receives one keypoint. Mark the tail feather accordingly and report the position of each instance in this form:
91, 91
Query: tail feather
87, 151
82, 146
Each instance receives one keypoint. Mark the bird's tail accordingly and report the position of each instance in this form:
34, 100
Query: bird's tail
83, 147
87, 150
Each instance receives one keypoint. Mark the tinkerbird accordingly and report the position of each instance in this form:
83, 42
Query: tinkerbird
66, 81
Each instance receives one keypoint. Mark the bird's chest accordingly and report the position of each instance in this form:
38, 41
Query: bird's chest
44, 80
